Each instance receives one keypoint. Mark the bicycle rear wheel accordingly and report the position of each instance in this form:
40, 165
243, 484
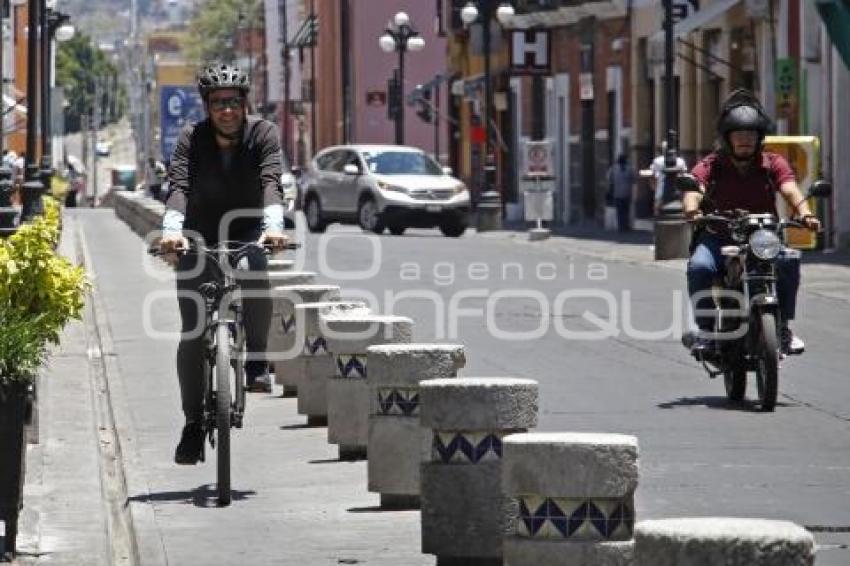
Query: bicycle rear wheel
222, 412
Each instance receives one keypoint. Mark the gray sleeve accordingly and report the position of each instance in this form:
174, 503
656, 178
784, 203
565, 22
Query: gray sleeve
178, 173
270, 164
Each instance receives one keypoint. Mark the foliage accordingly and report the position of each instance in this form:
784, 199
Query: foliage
79, 66
213, 29
40, 292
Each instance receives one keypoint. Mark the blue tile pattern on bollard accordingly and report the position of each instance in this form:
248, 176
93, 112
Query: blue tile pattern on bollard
351, 366
575, 519
315, 346
467, 447
288, 323
398, 401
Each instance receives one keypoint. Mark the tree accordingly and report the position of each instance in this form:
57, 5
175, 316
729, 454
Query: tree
214, 28
79, 65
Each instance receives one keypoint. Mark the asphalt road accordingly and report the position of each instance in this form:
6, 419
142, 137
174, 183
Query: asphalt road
699, 456
523, 310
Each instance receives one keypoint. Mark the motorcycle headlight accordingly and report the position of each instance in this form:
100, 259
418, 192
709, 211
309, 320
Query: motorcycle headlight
765, 244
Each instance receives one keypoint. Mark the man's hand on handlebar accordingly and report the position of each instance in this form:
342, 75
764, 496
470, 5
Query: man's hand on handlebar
171, 245
275, 241
693, 215
811, 222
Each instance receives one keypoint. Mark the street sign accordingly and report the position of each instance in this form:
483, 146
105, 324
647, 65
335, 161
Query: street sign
538, 159
531, 52
786, 88
179, 106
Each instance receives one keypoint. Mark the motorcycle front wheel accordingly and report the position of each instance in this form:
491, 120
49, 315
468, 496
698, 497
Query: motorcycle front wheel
767, 368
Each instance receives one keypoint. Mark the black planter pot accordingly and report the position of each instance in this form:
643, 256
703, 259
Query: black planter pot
13, 409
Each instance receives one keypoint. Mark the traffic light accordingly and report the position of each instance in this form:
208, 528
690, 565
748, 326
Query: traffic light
425, 112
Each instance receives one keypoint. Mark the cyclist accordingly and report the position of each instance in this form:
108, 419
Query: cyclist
741, 175
226, 163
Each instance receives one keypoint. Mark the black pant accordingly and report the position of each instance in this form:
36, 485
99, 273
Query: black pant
257, 313
623, 206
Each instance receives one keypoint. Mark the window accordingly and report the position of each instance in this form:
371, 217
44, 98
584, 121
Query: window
401, 163
327, 160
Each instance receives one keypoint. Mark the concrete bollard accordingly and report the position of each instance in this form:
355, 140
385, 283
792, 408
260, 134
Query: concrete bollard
276, 279
315, 363
397, 443
464, 513
348, 337
575, 498
281, 264
727, 541
288, 370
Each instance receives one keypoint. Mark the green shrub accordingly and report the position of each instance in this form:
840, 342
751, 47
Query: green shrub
40, 292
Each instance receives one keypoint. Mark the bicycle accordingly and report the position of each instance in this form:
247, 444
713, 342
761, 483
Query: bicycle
224, 373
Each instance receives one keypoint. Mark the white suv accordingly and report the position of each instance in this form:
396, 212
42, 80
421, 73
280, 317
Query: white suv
383, 186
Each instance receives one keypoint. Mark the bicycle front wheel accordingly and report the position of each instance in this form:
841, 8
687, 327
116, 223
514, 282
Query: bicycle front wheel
222, 412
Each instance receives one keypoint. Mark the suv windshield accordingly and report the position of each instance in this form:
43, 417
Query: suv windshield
401, 163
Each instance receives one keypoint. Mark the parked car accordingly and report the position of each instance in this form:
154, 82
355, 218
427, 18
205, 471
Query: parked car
383, 186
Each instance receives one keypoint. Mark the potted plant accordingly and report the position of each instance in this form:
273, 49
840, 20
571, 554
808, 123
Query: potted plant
21, 355
40, 292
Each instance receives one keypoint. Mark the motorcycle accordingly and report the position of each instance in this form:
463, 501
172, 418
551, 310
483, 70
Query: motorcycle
746, 307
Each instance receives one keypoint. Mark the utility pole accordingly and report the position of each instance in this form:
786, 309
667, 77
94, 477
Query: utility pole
95, 125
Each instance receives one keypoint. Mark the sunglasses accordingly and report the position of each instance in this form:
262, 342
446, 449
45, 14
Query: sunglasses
220, 104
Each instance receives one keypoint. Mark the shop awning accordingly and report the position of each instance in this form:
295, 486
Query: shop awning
836, 18
307, 32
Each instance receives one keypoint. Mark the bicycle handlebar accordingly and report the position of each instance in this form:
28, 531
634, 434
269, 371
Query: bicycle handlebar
200, 249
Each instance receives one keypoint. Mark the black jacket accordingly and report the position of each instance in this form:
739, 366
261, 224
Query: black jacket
204, 191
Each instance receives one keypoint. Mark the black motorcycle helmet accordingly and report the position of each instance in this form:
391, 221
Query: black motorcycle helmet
742, 111
219, 76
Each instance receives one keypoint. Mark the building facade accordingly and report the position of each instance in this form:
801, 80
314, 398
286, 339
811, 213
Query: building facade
336, 76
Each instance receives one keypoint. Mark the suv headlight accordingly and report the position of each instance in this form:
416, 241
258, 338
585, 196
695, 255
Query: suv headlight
459, 189
765, 244
388, 187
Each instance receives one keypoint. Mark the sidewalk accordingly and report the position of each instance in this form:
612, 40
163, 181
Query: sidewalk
294, 502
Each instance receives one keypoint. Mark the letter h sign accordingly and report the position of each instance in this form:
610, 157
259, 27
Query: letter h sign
530, 52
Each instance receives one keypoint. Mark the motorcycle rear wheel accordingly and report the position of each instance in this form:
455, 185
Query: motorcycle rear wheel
767, 368
735, 380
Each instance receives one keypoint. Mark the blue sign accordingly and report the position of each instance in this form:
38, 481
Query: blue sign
178, 106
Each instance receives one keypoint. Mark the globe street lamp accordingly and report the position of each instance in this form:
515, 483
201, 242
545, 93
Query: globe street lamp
400, 36
482, 12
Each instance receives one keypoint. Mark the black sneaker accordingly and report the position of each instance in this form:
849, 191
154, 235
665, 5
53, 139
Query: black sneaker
257, 377
190, 450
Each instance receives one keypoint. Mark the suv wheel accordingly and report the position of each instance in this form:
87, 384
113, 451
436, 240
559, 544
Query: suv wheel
453, 227
313, 212
368, 216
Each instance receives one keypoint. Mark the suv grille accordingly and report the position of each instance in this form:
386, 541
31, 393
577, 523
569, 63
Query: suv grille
432, 194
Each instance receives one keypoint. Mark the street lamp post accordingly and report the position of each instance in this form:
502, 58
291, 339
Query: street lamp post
483, 13
400, 36
53, 27
33, 188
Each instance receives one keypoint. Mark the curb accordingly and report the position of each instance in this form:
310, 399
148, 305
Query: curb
140, 519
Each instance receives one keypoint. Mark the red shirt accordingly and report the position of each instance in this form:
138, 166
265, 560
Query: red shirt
754, 190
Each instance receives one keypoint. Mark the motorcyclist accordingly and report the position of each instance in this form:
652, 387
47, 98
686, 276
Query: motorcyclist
228, 162
739, 174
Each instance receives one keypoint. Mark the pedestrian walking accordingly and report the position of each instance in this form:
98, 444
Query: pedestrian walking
621, 180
